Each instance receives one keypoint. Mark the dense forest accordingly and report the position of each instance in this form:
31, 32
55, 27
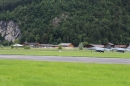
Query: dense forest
75, 21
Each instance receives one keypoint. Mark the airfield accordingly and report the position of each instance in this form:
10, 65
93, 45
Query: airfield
65, 55
73, 67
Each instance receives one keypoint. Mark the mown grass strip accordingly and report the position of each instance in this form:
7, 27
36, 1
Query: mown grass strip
37, 73
64, 52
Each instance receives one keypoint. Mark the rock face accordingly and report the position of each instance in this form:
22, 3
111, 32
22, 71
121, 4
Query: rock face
58, 19
9, 30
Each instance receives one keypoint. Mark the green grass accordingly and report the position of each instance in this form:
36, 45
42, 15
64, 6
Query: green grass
40, 73
64, 52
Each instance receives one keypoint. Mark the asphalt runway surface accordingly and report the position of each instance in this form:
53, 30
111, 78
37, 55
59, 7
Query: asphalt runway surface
68, 59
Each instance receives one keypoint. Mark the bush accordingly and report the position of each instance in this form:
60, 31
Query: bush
1, 46
27, 47
12, 47
60, 47
80, 46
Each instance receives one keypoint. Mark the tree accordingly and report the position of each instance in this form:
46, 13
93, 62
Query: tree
59, 47
80, 46
77, 20
85, 43
37, 38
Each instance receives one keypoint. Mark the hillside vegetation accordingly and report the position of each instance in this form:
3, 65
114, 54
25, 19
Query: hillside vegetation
75, 21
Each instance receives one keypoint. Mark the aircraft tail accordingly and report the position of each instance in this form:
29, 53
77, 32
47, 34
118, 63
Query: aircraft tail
108, 47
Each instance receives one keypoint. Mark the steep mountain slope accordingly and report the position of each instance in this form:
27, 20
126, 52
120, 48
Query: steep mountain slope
55, 21
9, 30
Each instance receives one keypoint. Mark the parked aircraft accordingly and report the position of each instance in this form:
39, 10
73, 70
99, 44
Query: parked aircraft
128, 49
121, 49
17, 45
98, 49
109, 48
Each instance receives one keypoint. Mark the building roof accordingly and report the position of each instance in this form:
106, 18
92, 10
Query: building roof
27, 43
120, 46
97, 45
110, 43
46, 45
65, 44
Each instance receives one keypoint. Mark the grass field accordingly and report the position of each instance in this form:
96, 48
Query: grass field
64, 52
38, 73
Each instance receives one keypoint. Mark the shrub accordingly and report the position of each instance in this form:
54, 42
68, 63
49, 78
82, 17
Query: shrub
27, 47
80, 46
12, 47
60, 47
1, 46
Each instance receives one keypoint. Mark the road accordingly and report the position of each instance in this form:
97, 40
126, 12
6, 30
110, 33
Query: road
68, 59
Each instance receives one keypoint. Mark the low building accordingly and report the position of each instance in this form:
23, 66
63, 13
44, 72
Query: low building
47, 45
67, 45
120, 46
34, 45
94, 45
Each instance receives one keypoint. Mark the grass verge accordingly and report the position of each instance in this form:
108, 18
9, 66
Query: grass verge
37, 73
64, 52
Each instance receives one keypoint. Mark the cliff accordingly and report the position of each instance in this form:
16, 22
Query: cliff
9, 30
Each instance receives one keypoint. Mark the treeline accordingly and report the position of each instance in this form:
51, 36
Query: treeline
75, 21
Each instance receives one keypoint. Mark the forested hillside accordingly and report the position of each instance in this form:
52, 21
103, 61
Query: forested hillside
75, 21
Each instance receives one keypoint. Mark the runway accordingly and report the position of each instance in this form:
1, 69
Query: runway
68, 59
